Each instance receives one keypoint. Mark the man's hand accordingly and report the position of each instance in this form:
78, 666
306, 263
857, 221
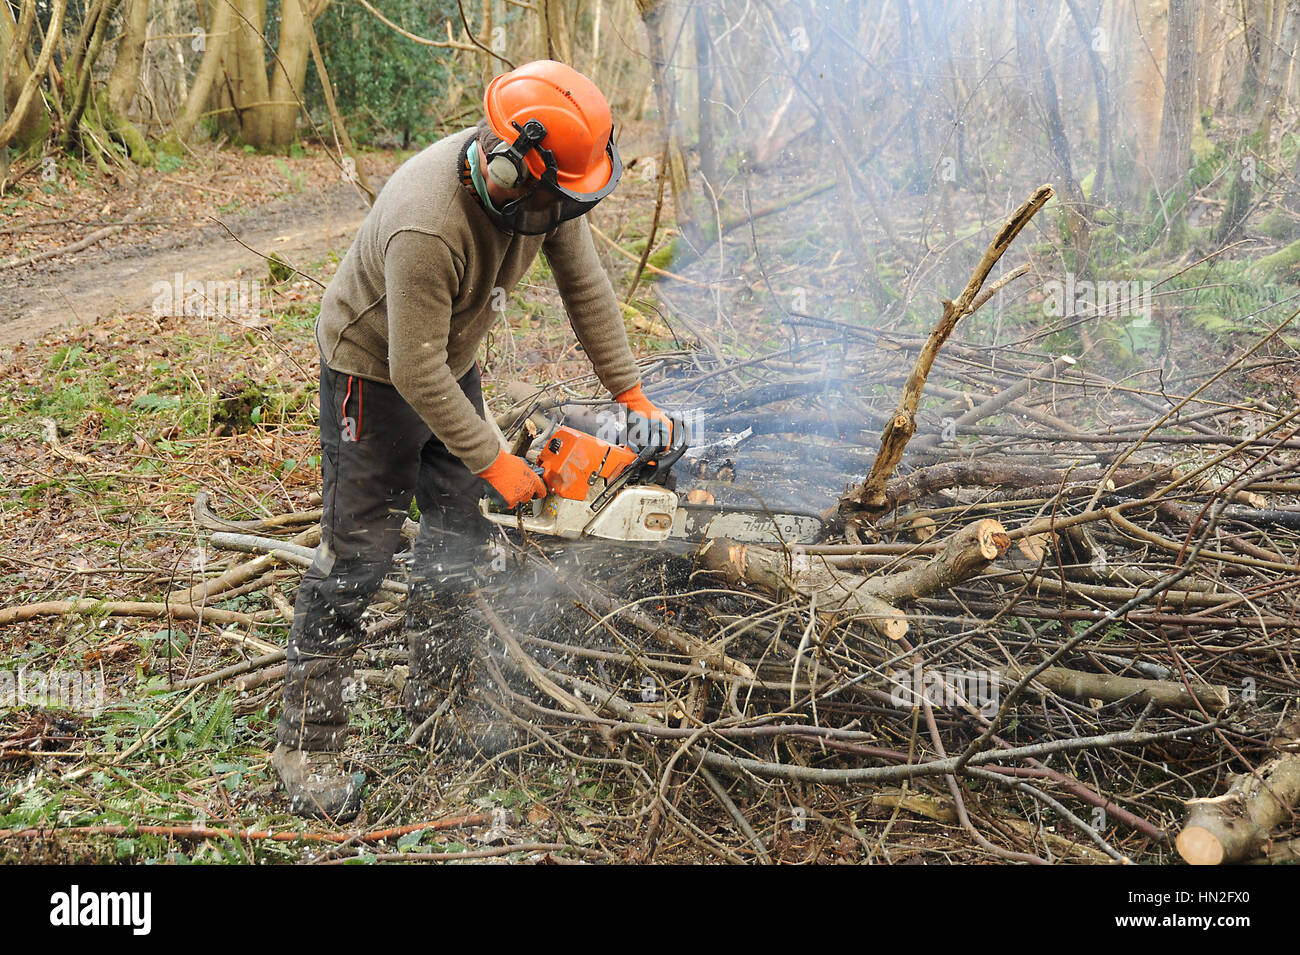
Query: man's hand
514, 479
646, 424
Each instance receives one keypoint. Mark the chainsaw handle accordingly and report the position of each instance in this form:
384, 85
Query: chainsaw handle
677, 447
495, 497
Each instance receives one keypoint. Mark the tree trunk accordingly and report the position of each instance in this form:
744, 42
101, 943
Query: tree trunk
1037, 67
652, 16
296, 19
1234, 826
704, 90
1273, 100
125, 74
1253, 38
17, 116
247, 91
1177, 119
1098, 192
1174, 156
558, 46
197, 100
14, 70
80, 74
1143, 86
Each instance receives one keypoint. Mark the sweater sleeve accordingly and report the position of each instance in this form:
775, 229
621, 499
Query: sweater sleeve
589, 299
420, 274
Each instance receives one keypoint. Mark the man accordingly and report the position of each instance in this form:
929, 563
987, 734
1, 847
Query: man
401, 410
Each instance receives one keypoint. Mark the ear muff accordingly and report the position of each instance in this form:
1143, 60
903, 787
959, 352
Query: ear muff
505, 164
502, 170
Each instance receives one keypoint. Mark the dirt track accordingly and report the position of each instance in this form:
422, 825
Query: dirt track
99, 281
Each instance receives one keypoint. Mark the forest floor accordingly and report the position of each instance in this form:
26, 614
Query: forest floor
302, 209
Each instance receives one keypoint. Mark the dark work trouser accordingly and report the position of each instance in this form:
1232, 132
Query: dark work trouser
376, 454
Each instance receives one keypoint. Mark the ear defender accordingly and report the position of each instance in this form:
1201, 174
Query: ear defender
505, 165
502, 171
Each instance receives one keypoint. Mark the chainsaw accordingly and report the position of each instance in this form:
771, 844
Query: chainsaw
625, 493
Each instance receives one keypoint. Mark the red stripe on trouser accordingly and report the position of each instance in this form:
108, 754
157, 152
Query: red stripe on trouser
356, 432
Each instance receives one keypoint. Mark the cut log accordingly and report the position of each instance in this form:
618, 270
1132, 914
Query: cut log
784, 575
1235, 826
967, 554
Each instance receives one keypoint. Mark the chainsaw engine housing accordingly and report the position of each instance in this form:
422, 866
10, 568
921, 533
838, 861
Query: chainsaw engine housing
598, 489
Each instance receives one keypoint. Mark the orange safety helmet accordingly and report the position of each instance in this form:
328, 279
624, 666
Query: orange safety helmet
555, 127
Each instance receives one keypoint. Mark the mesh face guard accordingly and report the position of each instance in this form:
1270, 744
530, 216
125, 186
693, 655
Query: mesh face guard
546, 204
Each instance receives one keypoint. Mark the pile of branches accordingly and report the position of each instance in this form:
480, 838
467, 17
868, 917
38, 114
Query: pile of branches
1083, 608
1052, 619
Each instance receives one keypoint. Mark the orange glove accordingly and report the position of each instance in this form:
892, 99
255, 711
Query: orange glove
513, 478
637, 403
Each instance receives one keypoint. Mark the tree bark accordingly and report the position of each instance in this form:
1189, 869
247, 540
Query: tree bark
1108, 688
80, 74
291, 68
967, 554
784, 575
14, 72
200, 90
25, 99
1035, 64
125, 75
704, 90
1234, 826
247, 91
1098, 192
652, 17
1253, 39
1273, 100
1174, 157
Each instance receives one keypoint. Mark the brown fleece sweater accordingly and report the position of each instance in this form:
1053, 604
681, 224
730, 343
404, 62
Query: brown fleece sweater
413, 298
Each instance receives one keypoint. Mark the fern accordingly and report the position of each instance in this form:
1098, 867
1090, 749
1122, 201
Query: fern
152, 402
219, 717
35, 807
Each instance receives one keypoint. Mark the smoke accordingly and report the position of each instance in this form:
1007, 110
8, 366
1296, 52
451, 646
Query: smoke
857, 156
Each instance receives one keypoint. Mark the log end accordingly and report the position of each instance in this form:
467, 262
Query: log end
1035, 547
993, 539
922, 529
1199, 846
894, 627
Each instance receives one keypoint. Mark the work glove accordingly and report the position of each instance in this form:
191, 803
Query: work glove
646, 424
513, 478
